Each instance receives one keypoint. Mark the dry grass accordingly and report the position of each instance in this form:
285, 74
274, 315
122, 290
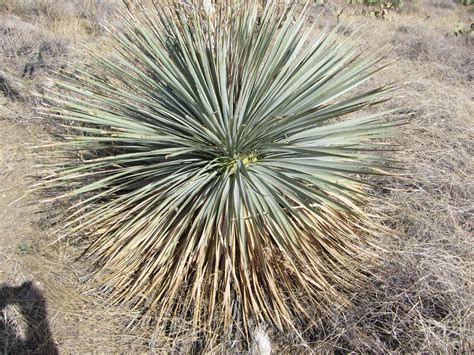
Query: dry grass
421, 299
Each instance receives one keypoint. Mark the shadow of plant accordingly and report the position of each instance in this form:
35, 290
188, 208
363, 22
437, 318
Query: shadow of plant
37, 338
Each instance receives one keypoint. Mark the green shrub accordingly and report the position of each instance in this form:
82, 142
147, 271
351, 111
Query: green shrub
219, 164
465, 31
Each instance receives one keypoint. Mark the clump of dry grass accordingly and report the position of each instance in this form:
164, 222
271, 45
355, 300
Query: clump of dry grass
30, 51
27, 24
38, 37
20, 41
448, 54
95, 12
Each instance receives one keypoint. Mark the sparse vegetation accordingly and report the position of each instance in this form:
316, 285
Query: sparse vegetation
419, 296
388, 4
466, 31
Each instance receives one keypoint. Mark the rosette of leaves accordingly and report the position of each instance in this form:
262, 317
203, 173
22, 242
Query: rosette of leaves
216, 160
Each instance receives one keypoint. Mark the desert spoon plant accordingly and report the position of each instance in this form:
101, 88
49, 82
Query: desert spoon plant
220, 162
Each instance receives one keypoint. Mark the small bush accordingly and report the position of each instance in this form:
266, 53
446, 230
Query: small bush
218, 175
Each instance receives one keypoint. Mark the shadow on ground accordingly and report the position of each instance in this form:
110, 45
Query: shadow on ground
31, 304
